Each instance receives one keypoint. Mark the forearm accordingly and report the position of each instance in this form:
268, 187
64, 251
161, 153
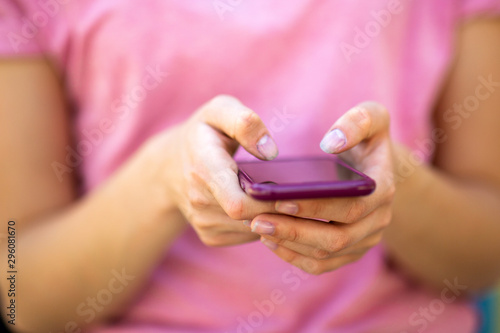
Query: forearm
122, 227
444, 228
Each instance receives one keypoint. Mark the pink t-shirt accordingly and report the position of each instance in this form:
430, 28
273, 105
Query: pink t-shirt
134, 68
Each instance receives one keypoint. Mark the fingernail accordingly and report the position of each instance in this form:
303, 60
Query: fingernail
333, 141
267, 147
287, 207
263, 228
247, 222
271, 245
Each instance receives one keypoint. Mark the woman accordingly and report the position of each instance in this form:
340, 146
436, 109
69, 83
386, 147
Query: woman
120, 121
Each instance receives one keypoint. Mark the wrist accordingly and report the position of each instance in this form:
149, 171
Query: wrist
143, 177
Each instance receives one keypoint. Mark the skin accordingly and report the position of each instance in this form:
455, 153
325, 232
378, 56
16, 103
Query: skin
170, 190
456, 235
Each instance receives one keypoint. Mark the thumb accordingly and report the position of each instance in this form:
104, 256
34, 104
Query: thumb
363, 122
229, 116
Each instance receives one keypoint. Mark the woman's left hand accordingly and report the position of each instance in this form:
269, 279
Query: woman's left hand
362, 137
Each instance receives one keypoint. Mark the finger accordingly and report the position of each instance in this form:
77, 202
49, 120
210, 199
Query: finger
362, 246
222, 231
311, 265
218, 239
228, 115
211, 222
358, 248
223, 183
225, 187
362, 122
216, 221
329, 237
344, 210
215, 170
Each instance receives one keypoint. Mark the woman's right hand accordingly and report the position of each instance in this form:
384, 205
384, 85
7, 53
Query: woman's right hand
200, 175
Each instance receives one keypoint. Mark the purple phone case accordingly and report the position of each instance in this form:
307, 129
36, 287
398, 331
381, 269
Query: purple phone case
258, 183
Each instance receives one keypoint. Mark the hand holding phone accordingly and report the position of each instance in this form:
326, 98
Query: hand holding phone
298, 234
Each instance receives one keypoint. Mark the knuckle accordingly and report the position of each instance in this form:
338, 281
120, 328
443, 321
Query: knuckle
320, 254
290, 257
377, 238
312, 266
278, 241
194, 175
338, 243
235, 209
361, 117
315, 272
357, 210
343, 240
315, 209
197, 200
380, 109
200, 224
246, 121
292, 235
211, 240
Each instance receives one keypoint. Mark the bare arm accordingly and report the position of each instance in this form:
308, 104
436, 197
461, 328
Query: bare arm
447, 217
67, 250
73, 251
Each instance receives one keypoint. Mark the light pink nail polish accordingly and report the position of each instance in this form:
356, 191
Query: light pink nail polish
267, 147
287, 207
271, 245
333, 141
247, 223
262, 228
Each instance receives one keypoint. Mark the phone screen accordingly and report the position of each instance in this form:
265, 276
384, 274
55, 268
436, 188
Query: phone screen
303, 178
298, 171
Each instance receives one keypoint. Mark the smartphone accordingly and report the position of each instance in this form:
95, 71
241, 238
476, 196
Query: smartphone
302, 178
